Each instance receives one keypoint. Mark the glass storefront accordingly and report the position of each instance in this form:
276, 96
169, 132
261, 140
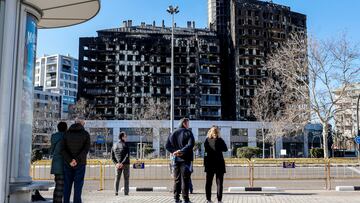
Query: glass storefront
294, 149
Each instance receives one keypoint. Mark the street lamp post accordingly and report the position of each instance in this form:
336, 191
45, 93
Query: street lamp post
357, 122
172, 10
357, 115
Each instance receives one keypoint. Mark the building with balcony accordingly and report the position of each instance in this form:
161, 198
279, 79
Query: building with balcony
121, 69
250, 30
58, 74
345, 117
47, 114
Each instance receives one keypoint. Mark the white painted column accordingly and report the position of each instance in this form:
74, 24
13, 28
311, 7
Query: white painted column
195, 132
116, 132
252, 137
156, 141
7, 70
279, 146
226, 134
306, 144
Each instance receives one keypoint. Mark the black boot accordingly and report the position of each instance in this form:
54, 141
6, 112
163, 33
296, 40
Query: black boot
36, 196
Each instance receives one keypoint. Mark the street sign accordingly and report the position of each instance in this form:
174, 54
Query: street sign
100, 139
357, 139
139, 165
288, 164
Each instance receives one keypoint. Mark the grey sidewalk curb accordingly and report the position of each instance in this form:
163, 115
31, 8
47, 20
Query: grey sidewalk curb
146, 189
347, 188
251, 189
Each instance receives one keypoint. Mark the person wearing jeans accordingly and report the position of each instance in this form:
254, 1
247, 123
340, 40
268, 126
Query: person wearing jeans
180, 144
214, 162
73, 176
57, 162
120, 154
76, 145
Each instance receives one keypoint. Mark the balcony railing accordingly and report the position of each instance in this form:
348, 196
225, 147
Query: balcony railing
213, 103
210, 114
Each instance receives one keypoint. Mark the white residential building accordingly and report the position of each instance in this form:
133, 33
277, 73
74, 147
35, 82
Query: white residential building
345, 117
46, 115
58, 74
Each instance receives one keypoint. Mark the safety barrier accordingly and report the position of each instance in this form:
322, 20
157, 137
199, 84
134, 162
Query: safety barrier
40, 170
255, 172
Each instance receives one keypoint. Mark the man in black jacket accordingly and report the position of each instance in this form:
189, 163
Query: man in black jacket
76, 145
181, 144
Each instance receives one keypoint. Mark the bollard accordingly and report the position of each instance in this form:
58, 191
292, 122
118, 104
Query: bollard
101, 175
33, 171
328, 174
251, 173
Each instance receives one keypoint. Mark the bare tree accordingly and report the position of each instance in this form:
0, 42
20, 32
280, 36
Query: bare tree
261, 110
106, 132
82, 108
151, 109
86, 110
279, 109
329, 66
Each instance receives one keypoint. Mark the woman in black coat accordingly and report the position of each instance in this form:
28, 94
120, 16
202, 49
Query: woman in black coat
214, 162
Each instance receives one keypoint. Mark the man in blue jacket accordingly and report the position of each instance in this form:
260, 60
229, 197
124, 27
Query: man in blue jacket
180, 144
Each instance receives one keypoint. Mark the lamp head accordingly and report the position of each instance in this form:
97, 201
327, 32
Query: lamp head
170, 9
173, 10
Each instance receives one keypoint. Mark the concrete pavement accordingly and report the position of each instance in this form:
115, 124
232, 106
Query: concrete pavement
290, 196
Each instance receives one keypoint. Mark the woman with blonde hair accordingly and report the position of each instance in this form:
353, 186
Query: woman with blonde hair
214, 162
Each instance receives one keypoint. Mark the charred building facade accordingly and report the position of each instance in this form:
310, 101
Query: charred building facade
122, 68
219, 21
255, 29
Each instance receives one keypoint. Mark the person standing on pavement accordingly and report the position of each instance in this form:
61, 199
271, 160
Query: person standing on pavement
76, 145
214, 162
57, 163
120, 155
180, 144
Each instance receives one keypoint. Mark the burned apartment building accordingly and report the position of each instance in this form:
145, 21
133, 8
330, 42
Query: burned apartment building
219, 21
254, 29
122, 68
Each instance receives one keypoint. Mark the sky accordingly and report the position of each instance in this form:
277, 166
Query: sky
326, 19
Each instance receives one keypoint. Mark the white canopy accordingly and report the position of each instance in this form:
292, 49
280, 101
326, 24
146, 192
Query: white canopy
62, 13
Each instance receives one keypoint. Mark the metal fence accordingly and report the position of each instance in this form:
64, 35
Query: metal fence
258, 172
40, 170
